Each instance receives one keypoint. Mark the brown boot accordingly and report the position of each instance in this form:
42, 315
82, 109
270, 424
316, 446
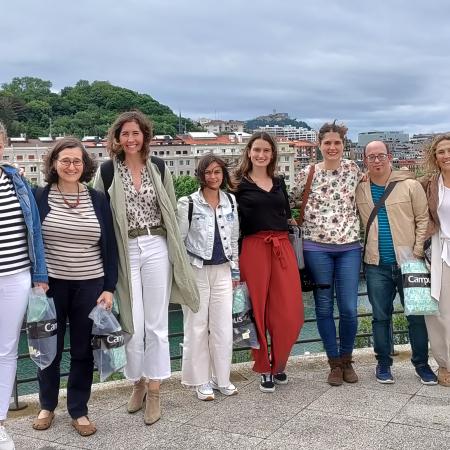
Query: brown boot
335, 375
443, 377
152, 407
137, 396
349, 373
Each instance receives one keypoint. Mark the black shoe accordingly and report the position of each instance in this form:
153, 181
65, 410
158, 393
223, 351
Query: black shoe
267, 384
280, 378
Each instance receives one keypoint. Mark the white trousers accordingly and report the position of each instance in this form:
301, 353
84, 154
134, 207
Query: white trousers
438, 327
208, 334
148, 353
14, 290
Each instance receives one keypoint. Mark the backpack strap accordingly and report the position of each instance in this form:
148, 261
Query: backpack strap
38, 193
107, 174
160, 165
190, 209
230, 198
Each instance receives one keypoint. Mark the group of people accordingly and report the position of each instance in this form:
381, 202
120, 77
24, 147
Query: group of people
127, 240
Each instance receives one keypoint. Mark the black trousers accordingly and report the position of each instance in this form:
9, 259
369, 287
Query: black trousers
74, 299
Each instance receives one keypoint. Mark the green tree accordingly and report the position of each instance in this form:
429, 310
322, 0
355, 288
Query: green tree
185, 185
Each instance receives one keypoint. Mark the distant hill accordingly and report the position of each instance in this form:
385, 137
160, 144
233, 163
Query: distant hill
28, 105
280, 119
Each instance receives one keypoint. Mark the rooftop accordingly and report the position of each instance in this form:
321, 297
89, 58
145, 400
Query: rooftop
305, 414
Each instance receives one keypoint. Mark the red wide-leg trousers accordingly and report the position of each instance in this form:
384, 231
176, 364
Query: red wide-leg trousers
269, 267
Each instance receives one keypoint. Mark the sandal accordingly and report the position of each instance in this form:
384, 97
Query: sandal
84, 430
44, 423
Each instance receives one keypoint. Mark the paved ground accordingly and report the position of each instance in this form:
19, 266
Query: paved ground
305, 414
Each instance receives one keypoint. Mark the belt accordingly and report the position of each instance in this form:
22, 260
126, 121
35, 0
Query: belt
154, 231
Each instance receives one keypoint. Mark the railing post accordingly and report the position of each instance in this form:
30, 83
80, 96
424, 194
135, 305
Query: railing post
16, 405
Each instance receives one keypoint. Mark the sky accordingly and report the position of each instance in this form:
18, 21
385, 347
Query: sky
374, 65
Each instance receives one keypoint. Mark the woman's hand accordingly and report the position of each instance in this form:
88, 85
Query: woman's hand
43, 286
292, 221
106, 298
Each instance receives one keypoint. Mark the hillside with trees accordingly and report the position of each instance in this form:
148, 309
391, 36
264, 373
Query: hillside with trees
280, 119
28, 105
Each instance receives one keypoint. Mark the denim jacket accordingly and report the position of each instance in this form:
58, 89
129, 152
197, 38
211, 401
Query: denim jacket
32, 222
199, 236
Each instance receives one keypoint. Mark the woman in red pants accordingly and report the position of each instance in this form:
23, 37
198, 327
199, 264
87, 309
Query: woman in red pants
267, 262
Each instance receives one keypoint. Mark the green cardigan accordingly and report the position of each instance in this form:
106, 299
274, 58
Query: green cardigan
184, 288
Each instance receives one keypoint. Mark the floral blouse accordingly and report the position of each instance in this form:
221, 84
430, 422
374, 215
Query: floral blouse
142, 207
330, 215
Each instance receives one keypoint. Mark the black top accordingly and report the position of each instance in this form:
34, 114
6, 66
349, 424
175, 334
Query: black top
260, 210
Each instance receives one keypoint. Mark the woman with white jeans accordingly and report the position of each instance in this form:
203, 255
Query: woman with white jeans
209, 224
21, 262
153, 265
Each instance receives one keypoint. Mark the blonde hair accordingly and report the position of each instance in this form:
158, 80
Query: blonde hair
429, 161
3, 132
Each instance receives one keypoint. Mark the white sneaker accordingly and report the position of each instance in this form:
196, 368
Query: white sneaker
205, 392
229, 390
6, 443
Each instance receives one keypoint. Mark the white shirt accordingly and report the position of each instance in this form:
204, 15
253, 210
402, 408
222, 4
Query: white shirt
444, 219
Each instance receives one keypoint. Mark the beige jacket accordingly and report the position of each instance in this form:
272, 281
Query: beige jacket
407, 210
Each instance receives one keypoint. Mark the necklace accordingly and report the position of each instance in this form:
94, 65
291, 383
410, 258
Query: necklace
70, 205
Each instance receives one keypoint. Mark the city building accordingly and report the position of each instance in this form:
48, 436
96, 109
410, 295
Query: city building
385, 136
290, 132
223, 126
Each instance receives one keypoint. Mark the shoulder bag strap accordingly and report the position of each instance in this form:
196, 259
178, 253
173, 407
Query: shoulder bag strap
306, 193
376, 209
190, 209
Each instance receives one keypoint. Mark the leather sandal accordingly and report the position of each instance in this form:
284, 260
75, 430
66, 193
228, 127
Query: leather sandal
84, 430
44, 423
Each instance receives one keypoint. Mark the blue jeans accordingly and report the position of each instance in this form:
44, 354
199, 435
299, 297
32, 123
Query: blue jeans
383, 282
339, 270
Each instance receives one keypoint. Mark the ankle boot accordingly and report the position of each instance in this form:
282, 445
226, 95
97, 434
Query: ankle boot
349, 373
152, 407
137, 396
335, 377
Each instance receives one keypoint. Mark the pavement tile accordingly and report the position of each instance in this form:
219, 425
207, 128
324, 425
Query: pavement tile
190, 437
27, 443
259, 414
426, 412
436, 391
397, 437
359, 402
318, 430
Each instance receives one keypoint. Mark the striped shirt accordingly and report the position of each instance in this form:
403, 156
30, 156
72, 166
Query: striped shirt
385, 244
13, 231
71, 237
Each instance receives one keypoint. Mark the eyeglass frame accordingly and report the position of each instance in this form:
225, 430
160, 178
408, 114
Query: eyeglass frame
68, 162
380, 156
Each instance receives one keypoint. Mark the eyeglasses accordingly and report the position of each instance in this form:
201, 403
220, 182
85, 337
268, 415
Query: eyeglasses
66, 162
381, 157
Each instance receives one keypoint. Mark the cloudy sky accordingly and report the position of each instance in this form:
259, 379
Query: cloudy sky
373, 64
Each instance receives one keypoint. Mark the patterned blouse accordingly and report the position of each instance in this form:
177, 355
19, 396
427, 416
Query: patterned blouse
330, 215
142, 207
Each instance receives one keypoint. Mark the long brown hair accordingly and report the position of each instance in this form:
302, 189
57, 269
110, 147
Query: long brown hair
115, 150
429, 162
245, 165
205, 162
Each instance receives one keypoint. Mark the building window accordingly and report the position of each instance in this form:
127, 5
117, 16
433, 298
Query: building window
286, 158
161, 152
19, 157
5, 157
188, 172
181, 162
100, 155
171, 163
286, 168
33, 169
185, 152
188, 162
30, 156
181, 172
177, 152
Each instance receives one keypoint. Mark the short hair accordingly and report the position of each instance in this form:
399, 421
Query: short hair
429, 162
49, 171
245, 164
388, 151
113, 146
204, 162
332, 127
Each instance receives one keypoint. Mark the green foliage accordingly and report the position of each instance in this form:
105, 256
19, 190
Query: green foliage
273, 120
27, 105
399, 321
185, 185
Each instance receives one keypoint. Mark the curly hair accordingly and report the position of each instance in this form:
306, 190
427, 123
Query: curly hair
245, 164
332, 127
204, 162
113, 146
49, 171
429, 162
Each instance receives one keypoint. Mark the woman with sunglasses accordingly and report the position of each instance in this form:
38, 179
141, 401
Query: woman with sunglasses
81, 256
